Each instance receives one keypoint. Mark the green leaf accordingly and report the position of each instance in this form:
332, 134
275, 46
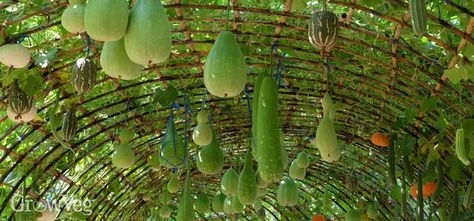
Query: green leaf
396, 193
31, 83
298, 5
45, 58
433, 156
167, 97
456, 169
468, 51
456, 74
428, 104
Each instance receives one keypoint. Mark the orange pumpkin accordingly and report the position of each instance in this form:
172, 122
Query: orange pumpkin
380, 139
318, 217
428, 189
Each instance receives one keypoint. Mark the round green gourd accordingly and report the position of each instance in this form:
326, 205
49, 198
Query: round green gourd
116, 63
124, 156
328, 106
106, 20
270, 162
237, 206
218, 203
148, 37
154, 161
302, 160
72, 18
173, 151
296, 172
353, 215
418, 16
210, 159
326, 140
228, 205
14, 55
287, 192
185, 206
69, 125
173, 184
165, 211
18, 101
229, 182
247, 185
83, 75
203, 117
202, 135
225, 71
202, 203
322, 30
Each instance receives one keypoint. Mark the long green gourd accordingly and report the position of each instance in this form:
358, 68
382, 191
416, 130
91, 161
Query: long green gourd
418, 15
185, 206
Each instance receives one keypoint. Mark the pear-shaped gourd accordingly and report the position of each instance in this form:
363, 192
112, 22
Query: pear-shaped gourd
173, 184
270, 153
106, 20
228, 205
72, 18
165, 211
14, 55
258, 204
148, 37
125, 135
326, 140
247, 188
210, 159
302, 160
124, 156
296, 172
185, 206
225, 71
172, 151
353, 215
287, 192
116, 63
154, 161
229, 182
237, 206
218, 203
202, 133
202, 203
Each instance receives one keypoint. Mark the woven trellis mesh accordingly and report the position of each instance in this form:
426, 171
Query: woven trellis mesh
382, 77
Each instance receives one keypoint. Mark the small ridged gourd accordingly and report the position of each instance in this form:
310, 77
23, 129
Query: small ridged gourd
229, 182
172, 151
19, 103
116, 63
287, 192
173, 184
202, 203
297, 172
418, 15
69, 126
210, 159
124, 156
83, 75
148, 37
202, 133
225, 71
322, 30
270, 162
326, 139
14, 55
185, 206
247, 187
218, 203
72, 18
106, 20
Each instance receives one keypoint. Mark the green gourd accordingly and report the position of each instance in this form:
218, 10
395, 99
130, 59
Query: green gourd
83, 75
19, 103
297, 172
237, 206
202, 203
14, 55
72, 18
228, 205
185, 206
218, 202
229, 182
116, 63
247, 185
270, 162
173, 151
173, 184
165, 211
255, 104
418, 16
148, 37
225, 70
260, 182
287, 192
328, 106
323, 29
326, 139
106, 20
154, 161
124, 156
202, 133
210, 159
302, 160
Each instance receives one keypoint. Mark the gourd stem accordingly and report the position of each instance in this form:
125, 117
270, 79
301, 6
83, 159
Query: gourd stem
325, 5
228, 16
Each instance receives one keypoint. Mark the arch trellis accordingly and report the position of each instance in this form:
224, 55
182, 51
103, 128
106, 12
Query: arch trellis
380, 74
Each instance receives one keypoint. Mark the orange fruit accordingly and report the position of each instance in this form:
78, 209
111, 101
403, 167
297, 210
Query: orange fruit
318, 217
380, 139
428, 189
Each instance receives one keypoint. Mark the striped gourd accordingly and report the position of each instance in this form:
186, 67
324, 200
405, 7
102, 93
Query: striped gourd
69, 126
19, 102
469, 195
418, 15
323, 28
84, 75
460, 147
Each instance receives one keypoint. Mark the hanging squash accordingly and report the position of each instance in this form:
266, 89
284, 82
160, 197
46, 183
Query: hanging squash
106, 20
326, 138
19, 103
287, 192
185, 206
225, 71
202, 203
202, 133
83, 76
296, 172
380, 139
148, 37
72, 18
218, 203
210, 159
323, 28
173, 151
69, 126
229, 182
418, 16
15, 55
116, 63
124, 156
247, 185
173, 184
